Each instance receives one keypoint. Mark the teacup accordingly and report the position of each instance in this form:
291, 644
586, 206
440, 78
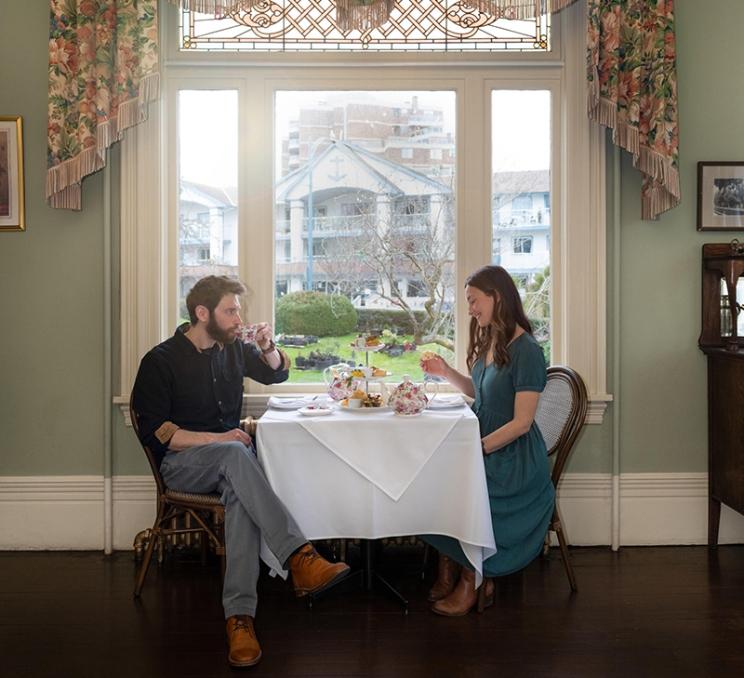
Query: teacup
247, 333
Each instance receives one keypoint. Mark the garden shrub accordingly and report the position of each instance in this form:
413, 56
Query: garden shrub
323, 315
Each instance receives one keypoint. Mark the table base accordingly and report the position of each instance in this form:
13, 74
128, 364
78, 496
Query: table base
366, 577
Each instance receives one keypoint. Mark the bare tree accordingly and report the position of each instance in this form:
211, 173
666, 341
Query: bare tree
419, 247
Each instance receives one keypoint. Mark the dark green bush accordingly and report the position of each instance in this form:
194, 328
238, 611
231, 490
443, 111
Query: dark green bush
324, 315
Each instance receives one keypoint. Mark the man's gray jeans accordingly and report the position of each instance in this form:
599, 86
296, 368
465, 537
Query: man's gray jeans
252, 511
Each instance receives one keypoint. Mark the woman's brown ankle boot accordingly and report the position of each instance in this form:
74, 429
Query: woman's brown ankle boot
447, 571
464, 597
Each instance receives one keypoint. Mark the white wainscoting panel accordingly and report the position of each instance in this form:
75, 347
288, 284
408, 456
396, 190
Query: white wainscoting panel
66, 512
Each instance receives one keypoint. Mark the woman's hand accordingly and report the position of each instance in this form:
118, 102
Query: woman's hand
434, 365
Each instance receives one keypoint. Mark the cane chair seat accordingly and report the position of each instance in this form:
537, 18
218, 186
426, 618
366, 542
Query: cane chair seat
191, 498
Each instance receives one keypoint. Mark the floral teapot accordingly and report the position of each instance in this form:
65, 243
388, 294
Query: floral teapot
340, 381
408, 398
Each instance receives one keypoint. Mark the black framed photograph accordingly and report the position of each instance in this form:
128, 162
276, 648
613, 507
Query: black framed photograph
720, 196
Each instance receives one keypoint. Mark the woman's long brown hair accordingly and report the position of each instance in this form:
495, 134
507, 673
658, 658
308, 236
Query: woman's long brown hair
507, 314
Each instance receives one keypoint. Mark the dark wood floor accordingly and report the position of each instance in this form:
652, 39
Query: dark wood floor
674, 611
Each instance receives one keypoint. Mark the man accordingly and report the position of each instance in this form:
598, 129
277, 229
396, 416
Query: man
188, 396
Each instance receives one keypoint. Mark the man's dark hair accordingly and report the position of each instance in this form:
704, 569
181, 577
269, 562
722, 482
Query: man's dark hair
209, 291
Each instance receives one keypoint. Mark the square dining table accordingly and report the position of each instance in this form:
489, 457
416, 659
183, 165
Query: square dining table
372, 473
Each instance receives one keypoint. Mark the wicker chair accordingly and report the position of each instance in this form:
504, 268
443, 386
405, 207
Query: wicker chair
204, 510
560, 415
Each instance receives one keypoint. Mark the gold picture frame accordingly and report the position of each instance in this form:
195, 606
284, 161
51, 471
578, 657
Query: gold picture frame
12, 204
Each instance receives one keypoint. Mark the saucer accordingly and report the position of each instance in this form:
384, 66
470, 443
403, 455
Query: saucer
315, 411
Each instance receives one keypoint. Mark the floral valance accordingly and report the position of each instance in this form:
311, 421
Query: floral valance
103, 69
633, 90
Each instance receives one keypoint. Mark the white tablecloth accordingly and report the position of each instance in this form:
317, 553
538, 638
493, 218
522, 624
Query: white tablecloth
372, 475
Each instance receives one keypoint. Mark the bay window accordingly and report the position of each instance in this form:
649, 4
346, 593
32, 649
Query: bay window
377, 183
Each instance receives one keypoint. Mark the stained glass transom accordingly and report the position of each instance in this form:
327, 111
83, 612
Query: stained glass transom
414, 26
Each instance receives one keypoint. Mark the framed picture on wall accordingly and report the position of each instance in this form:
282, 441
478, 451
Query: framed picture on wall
12, 216
720, 196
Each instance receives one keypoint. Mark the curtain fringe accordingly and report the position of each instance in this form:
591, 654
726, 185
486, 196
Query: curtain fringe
663, 196
351, 15
518, 9
215, 7
358, 15
63, 180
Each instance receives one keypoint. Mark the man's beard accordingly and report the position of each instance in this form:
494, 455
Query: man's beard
218, 334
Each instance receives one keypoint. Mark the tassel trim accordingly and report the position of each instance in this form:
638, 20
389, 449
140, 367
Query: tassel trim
518, 9
216, 7
352, 15
665, 193
63, 180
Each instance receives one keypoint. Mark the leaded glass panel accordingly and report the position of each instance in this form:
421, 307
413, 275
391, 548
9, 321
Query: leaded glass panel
414, 25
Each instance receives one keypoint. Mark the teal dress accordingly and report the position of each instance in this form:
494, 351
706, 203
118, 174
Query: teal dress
520, 490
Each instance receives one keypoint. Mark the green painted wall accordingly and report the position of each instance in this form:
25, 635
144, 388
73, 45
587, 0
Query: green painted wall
51, 365
51, 378
663, 374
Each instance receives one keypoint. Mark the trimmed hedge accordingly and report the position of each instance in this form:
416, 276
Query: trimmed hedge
323, 315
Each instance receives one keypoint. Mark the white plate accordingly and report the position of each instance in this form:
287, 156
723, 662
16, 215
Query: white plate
364, 410
408, 416
376, 379
315, 411
445, 402
288, 403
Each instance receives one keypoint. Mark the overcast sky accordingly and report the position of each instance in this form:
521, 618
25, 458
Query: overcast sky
208, 124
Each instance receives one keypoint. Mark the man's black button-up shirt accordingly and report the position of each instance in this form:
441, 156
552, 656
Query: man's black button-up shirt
179, 386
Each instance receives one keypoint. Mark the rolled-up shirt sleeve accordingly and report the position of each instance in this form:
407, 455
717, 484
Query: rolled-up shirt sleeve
151, 399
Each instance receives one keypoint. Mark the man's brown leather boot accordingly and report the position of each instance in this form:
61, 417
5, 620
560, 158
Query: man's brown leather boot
447, 571
465, 596
241, 637
311, 573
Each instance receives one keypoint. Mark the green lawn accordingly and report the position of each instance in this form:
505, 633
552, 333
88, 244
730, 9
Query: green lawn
407, 363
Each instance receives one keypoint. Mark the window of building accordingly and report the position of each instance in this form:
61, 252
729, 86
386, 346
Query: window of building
522, 244
521, 160
207, 179
379, 213
406, 153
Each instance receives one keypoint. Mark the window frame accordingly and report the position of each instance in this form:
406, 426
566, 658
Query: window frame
149, 296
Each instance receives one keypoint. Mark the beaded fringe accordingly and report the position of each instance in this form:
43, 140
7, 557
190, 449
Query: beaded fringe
518, 9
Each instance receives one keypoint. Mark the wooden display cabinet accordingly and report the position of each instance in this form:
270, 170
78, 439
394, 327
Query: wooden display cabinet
722, 340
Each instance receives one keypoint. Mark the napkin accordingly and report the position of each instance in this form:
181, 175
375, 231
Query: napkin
443, 402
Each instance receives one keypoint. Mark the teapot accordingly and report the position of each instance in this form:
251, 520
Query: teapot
339, 380
408, 398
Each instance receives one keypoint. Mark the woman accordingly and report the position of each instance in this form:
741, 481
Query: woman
507, 374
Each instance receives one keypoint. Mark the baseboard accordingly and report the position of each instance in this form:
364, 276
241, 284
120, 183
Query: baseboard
66, 512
